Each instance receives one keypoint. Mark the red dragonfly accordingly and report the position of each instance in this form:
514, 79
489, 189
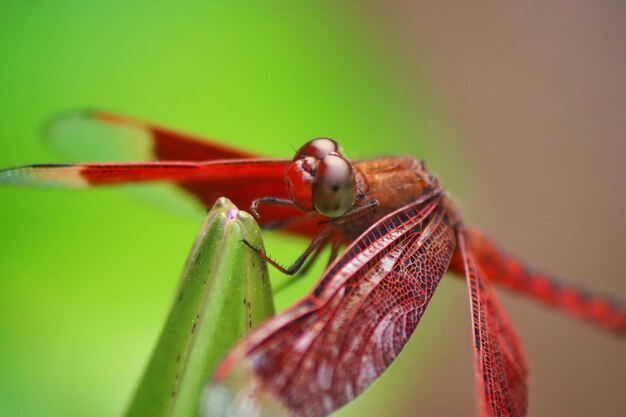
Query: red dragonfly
403, 233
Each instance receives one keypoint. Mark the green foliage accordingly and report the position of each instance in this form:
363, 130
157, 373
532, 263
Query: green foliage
224, 292
263, 77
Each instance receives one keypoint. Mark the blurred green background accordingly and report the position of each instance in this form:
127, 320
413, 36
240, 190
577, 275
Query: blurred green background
86, 277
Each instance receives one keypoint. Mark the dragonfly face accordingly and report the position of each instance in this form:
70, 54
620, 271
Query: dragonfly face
321, 179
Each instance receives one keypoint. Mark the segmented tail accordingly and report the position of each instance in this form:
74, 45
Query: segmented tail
511, 273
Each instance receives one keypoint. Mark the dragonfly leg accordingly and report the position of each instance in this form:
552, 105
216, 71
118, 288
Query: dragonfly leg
334, 250
301, 273
316, 244
335, 246
279, 224
274, 201
355, 213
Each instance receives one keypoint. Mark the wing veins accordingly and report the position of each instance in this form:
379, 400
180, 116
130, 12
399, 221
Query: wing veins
434, 219
408, 247
348, 269
498, 357
374, 261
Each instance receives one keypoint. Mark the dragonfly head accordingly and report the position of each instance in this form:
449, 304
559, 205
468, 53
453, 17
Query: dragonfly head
320, 179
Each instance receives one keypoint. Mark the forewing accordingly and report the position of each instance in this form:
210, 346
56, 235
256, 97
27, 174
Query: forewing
199, 168
324, 351
241, 180
501, 372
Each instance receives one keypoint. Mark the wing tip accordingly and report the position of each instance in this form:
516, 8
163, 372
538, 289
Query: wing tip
42, 175
86, 114
19, 176
54, 122
9, 175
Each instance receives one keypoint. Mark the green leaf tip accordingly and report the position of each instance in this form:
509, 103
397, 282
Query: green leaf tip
224, 291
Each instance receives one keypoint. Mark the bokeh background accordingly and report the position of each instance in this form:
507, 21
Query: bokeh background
519, 108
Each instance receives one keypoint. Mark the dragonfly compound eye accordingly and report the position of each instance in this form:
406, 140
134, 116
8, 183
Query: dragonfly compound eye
333, 190
317, 148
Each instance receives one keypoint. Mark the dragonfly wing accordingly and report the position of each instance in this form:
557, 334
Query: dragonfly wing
501, 371
241, 181
514, 274
327, 349
98, 136
83, 175
93, 135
